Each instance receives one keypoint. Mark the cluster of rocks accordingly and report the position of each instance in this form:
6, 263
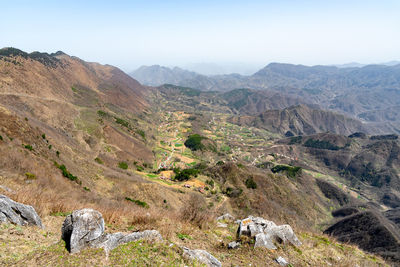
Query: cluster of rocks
85, 229
266, 233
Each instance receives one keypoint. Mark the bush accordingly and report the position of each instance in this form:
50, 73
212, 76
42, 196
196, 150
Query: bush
210, 183
291, 171
102, 113
320, 144
43, 136
58, 153
139, 168
30, 176
98, 160
138, 202
220, 162
195, 211
194, 142
50, 146
123, 165
250, 183
122, 122
29, 147
1, 138
141, 133
184, 175
65, 172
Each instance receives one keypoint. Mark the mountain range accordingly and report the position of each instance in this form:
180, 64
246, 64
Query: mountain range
76, 134
370, 93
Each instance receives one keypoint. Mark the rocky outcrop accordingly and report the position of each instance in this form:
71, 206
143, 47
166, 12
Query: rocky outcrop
17, 213
226, 217
266, 233
201, 256
85, 229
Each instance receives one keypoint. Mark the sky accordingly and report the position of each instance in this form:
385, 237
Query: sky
231, 34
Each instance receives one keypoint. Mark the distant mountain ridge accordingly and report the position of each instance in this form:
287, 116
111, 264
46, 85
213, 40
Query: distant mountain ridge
301, 120
366, 93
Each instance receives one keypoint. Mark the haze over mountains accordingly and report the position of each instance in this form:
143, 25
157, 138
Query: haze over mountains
370, 93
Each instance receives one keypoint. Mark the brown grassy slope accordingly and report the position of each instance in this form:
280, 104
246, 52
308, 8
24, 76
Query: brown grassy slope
301, 120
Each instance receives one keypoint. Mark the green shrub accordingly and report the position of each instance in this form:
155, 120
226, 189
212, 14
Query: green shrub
74, 89
320, 144
184, 175
50, 146
295, 140
30, 176
250, 183
98, 160
210, 182
86, 189
58, 153
141, 133
220, 162
1, 138
122, 122
43, 136
291, 171
65, 172
102, 113
139, 168
194, 142
123, 165
29, 147
138, 202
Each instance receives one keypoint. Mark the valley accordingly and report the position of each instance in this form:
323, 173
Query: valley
79, 135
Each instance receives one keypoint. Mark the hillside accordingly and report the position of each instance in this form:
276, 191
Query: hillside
301, 120
84, 135
369, 93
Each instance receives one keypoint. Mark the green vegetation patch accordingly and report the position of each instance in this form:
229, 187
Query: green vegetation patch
30, 176
65, 172
250, 183
138, 202
98, 160
320, 144
123, 165
194, 142
29, 147
292, 171
186, 174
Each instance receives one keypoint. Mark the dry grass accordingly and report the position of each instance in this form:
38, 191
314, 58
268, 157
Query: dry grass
195, 211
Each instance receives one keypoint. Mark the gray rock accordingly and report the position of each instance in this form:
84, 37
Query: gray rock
81, 228
226, 217
85, 229
17, 213
281, 261
285, 233
111, 241
221, 225
266, 232
233, 245
201, 256
264, 241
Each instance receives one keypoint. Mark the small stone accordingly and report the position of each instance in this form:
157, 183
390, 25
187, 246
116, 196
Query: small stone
226, 217
222, 225
281, 261
201, 256
233, 245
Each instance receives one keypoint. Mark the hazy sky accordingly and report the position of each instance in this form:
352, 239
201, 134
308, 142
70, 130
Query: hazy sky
128, 34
